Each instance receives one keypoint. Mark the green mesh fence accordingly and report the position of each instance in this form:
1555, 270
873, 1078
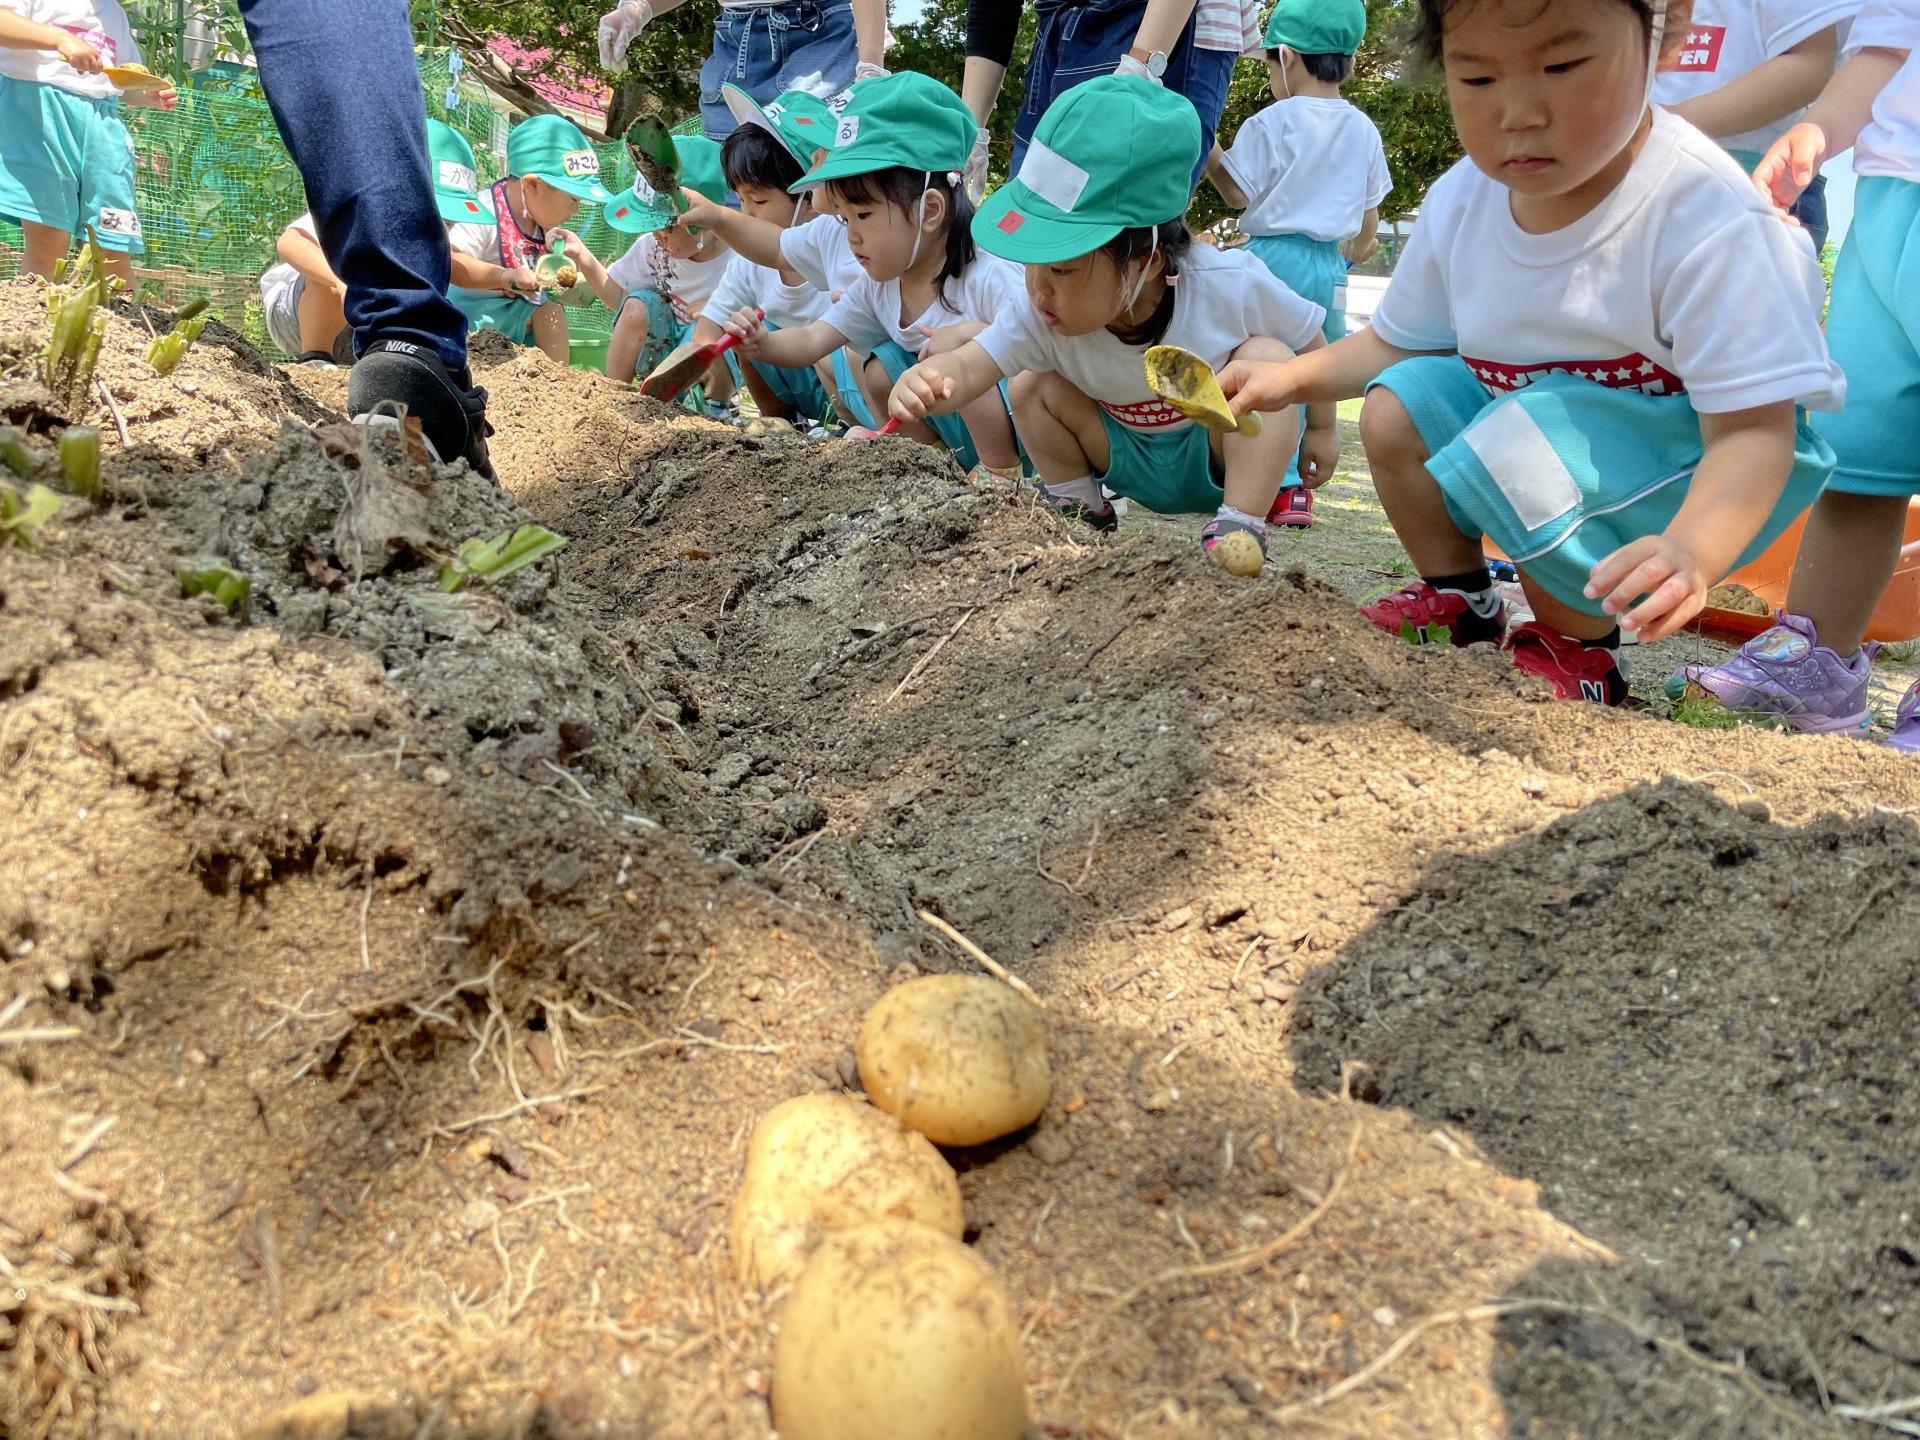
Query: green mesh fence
215, 187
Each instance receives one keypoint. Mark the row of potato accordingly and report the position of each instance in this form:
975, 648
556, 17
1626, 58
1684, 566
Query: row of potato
894, 1329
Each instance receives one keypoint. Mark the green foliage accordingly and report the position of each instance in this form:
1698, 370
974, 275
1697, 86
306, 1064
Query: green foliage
490, 561
78, 325
1389, 83
15, 454
80, 461
936, 45
1435, 634
168, 350
23, 513
208, 576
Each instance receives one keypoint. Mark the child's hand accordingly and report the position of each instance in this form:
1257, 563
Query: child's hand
748, 324
917, 392
1789, 167
570, 245
1663, 570
520, 279
1360, 251
79, 54
1319, 453
700, 212
1257, 385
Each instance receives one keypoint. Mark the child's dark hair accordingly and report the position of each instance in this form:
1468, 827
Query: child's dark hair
1431, 33
752, 155
902, 187
1330, 69
1173, 240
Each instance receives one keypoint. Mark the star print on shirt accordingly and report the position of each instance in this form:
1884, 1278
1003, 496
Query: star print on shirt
1629, 372
1700, 52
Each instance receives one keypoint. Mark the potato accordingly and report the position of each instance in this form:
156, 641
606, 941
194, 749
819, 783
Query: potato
1238, 553
895, 1332
820, 1163
960, 1058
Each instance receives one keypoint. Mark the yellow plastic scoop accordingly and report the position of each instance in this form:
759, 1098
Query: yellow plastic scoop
1186, 382
135, 77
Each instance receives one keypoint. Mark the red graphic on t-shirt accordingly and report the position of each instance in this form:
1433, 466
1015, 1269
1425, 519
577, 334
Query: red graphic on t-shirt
99, 39
1629, 372
1700, 51
1153, 414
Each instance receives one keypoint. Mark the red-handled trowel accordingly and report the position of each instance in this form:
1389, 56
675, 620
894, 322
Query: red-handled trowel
684, 365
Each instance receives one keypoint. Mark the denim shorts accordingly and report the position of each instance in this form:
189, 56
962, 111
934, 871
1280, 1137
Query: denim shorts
766, 50
1077, 42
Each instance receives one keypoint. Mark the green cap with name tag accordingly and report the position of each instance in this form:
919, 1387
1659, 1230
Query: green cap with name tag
1317, 27
554, 150
798, 119
1113, 154
456, 185
639, 211
905, 119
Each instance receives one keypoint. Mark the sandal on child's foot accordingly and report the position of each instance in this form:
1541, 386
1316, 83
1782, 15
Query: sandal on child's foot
983, 472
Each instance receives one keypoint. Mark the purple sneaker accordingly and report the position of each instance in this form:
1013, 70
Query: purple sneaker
1906, 723
1787, 673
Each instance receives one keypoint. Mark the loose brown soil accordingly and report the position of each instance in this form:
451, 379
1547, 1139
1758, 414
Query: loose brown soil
431, 957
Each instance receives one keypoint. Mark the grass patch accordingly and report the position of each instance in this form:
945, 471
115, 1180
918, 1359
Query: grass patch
1898, 652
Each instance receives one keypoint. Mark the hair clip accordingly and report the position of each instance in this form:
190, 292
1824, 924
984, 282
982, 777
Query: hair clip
954, 177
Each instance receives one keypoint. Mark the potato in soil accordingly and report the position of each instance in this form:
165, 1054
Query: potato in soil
895, 1332
960, 1058
820, 1163
1238, 553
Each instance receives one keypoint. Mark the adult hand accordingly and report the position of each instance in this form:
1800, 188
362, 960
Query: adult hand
867, 70
976, 173
1130, 66
79, 54
619, 28
1789, 167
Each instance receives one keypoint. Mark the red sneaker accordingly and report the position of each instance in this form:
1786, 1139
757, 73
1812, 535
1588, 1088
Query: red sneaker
1419, 610
1292, 506
1576, 670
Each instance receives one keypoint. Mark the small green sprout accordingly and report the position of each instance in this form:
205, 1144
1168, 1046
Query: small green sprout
79, 325
491, 561
210, 576
80, 461
168, 350
22, 515
1435, 634
15, 454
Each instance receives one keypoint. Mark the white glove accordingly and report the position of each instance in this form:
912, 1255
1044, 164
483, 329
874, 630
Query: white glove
1127, 66
619, 28
867, 70
976, 175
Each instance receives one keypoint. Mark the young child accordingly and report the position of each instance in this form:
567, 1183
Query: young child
1811, 670
1629, 335
1095, 216
66, 161
1310, 173
550, 169
766, 155
667, 276
894, 178
1747, 68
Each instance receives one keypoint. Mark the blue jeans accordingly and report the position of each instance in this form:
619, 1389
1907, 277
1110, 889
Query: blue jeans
765, 49
344, 88
1811, 211
1079, 42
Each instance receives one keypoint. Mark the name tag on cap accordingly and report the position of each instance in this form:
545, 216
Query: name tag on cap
456, 176
580, 162
848, 132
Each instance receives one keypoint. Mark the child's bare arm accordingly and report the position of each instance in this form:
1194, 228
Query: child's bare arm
945, 383
590, 268
305, 255
470, 273
789, 349
1771, 90
19, 33
1749, 455
1361, 247
1230, 191
1829, 127
758, 240
1320, 376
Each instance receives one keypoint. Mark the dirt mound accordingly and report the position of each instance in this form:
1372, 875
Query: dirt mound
390, 983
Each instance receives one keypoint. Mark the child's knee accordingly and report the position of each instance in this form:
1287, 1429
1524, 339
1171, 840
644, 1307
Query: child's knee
1031, 391
631, 324
1264, 348
1388, 432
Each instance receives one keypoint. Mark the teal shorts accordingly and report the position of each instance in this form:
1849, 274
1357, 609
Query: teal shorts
1873, 332
1563, 473
666, 332
796, 387
66, 162
951, 429
1313, 269
1172, 472
490, 310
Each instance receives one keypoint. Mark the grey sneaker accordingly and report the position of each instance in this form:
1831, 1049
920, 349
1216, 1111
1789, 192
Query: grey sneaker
1788, 674
1906, 723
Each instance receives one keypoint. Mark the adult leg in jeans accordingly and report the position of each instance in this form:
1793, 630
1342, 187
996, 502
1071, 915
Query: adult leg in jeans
344, 88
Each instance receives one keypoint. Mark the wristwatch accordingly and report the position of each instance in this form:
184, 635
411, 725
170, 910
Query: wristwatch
1156, 61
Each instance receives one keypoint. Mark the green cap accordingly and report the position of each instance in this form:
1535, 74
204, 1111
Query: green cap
456, 186
799, 120
1109, 155
554, 150
1317, 27
905, 119
640, 210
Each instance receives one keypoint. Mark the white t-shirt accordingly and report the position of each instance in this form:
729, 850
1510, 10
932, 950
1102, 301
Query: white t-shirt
1730, 37
820, 252
101, 23
1681, 281
1891, 144
747, 284
868, 313
279, 279
1223, 299
482, 242
687, 284
1309, 166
